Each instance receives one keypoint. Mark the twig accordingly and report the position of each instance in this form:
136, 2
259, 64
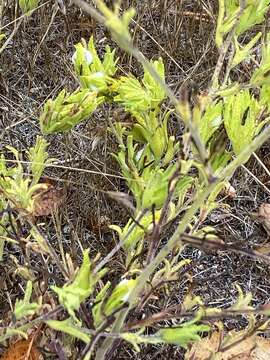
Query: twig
11, 36
169, 314
105, 260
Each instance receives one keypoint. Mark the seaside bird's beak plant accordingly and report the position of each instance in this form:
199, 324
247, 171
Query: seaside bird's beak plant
174, 179
19, 187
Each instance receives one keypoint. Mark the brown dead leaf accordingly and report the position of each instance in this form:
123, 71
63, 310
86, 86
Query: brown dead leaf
22, 350
263, 215
99, 224
263, 249
47, 201
252, 348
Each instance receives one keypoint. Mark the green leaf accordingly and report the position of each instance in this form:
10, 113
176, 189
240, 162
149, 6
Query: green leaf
24, 307
28, 6
241, 113
119, 295
182, 336
156, 187
210, 121
38, 158
151, 84
92, 73
68, 110
131, 94
71, 296
244, 52
151, 129
137, 97
265, 96
136, 339
261, 74
99, 301
69, 327
134, 239
172, 149
228, 90
219, 161
253, 14
226, 18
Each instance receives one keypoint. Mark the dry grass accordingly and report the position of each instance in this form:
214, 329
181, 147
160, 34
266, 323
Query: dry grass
37, 64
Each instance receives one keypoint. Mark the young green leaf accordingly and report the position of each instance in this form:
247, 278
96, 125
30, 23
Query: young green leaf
71, 296
24, 307
38, 158
68, 110
137, 97
94, 74
132, 94
182, 336
243, 53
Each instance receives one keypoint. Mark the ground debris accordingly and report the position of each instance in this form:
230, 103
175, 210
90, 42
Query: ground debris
251, 348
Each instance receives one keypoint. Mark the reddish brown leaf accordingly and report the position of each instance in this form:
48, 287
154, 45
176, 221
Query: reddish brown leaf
22, 350
47, 201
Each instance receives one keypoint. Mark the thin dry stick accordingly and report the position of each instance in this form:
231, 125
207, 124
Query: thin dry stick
256, 179
22, 16
16, 28
107, 258
157, 43
55, 165
262, 164
55, 10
